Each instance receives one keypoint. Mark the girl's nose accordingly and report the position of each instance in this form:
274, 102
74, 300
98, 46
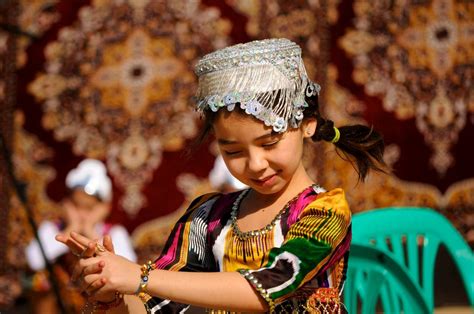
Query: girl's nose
257, 162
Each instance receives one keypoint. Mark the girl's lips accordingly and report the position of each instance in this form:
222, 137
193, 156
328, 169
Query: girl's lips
265, 181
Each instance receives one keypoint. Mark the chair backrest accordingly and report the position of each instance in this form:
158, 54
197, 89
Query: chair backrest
411, 236
373, 275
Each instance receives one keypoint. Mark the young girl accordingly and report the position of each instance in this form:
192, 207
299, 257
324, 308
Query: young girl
86, 208
281, 245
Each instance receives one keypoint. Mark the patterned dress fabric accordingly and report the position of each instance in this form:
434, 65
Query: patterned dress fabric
299, 264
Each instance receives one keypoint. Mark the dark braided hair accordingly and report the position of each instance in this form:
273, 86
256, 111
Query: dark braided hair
358, 143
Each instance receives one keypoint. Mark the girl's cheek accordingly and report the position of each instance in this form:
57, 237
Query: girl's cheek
236, 167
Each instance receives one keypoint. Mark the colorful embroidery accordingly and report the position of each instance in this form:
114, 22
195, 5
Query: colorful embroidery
298, 265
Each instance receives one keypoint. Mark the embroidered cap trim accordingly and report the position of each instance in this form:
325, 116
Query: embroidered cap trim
267, 78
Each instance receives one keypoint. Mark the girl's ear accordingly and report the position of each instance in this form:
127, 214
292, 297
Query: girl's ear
309, 127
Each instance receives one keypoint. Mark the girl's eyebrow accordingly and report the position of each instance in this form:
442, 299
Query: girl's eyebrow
228, 142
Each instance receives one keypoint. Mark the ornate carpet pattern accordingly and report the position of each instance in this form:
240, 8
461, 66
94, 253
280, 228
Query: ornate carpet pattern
113, 80
418, 58
118, 84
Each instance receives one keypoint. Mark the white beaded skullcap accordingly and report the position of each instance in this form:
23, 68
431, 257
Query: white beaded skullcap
266, 77
91, 177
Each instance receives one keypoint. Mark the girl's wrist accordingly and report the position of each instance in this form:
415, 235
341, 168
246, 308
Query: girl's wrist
135, 279
145, 273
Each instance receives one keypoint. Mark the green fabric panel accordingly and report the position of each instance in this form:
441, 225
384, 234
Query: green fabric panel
310, 253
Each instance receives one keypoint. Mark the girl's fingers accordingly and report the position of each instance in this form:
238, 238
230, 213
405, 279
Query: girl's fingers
108, 244
92, 289
82, 240
61, 238
75, 247
89, 251
86, 281
77, 272
93, 269
82, 246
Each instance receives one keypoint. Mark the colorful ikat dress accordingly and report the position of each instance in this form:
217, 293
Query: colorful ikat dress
297, 263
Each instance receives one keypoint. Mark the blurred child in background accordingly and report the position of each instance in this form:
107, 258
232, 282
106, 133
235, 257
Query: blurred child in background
86, 208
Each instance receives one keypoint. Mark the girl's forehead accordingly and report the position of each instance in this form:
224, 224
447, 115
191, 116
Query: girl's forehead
233, 126
237, 120
236, 125
81, 198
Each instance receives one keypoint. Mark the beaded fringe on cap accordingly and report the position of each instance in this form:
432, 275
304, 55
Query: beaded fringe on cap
276, 101
267, 78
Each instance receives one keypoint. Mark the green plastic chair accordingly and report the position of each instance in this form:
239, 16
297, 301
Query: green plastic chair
372, 272
411, 236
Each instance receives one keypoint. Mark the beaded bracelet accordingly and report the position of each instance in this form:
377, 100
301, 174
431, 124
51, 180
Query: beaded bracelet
102, 306
144, 276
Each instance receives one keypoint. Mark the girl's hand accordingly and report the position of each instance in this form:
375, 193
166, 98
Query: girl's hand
118, 273
107, 273
82, 246
78, 244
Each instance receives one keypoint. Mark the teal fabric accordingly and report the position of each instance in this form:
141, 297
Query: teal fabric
372, 272
411, 236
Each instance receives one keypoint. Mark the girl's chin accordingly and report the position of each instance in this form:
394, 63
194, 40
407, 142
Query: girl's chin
267, 188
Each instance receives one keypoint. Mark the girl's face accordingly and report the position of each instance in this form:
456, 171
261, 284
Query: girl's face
264, 160
89, 207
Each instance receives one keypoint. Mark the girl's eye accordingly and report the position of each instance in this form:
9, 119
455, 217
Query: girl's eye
231, 153
270, 144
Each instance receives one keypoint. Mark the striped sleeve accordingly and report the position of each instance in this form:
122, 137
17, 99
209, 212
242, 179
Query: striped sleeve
186, 250
314, 243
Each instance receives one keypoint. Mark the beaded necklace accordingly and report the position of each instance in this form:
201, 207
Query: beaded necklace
249, 234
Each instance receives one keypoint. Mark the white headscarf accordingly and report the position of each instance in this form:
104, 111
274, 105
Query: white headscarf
91, 177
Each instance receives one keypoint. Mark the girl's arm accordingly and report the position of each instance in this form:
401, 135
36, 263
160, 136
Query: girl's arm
216, 290
246, 300
227, 290
183, 259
